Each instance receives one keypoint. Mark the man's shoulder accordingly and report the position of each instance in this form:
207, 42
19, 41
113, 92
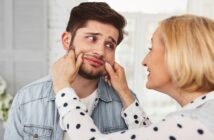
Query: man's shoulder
40, 82
36, 90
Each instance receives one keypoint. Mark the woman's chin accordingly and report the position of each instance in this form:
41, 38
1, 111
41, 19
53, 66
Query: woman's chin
148, 85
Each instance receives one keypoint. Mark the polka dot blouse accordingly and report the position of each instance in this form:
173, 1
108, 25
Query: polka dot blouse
180, 125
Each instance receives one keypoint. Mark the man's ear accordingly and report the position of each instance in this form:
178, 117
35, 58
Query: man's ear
66, 40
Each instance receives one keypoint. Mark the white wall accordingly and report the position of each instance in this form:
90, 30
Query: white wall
201, 7
23, 43
59, 11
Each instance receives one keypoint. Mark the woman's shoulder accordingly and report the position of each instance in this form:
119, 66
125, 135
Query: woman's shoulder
203, 113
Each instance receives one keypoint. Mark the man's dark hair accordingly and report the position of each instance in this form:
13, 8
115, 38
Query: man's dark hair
99, 11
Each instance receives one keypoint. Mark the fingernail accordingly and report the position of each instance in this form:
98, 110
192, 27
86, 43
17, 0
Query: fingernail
107, 64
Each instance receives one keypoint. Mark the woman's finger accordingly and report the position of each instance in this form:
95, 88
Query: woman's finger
110, 70
79, 61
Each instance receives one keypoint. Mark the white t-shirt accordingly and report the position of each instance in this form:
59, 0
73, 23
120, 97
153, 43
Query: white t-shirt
90, 103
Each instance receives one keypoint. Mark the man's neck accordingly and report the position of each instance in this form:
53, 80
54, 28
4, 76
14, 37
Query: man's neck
84, 87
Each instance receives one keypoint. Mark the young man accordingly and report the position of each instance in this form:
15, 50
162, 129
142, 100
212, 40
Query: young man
93, 32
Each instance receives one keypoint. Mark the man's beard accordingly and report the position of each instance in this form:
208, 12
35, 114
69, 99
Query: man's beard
84, 72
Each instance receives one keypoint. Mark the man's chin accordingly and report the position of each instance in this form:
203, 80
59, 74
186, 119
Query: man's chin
91, 73
90, 76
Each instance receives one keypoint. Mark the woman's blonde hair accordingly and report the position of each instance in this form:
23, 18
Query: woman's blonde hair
189, 47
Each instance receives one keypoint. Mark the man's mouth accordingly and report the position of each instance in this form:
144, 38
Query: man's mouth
94, 61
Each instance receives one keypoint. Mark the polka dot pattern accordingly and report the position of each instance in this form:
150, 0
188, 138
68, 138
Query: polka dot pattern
155, 129
93, 138
172, 138
133, 137
200, 131
204, 97
65, 104
78, 126
81, 113
125, 114
134, 116
63, 94
136, 121
93, 130
180, 123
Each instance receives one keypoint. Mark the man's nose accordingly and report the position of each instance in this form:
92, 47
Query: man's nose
99, 49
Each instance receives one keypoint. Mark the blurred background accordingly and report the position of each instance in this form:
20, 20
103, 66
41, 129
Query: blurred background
30, 32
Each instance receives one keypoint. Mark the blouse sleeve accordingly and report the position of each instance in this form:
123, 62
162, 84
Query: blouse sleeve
80, 126
135, 117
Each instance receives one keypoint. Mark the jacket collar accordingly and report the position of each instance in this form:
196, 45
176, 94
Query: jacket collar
104, 91
51, 96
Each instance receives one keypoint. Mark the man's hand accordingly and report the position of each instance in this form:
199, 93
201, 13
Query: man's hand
117, 79
64, 70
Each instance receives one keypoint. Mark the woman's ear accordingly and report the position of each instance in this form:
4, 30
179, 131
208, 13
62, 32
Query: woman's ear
66, 40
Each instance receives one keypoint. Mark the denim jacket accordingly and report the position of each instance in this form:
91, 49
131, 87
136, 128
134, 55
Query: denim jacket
34, 116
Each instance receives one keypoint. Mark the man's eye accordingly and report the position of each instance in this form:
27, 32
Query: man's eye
92, 38
150, 49
109, 45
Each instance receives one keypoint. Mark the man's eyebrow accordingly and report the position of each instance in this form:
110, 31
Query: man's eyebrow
151, 39
92, 33
112, 39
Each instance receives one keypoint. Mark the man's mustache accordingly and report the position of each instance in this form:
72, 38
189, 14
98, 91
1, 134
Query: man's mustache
99, 58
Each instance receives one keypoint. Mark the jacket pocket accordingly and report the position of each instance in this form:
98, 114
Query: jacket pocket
37, 132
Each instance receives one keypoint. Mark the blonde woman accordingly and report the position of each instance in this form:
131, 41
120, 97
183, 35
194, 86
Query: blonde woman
180, 64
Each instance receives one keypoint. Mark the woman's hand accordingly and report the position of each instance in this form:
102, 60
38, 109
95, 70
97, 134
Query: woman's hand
116, 78
64, 70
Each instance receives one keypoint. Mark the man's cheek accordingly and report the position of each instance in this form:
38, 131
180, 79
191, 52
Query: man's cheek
110, 61
78, 52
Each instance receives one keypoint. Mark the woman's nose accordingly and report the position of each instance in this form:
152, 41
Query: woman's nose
144, 62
